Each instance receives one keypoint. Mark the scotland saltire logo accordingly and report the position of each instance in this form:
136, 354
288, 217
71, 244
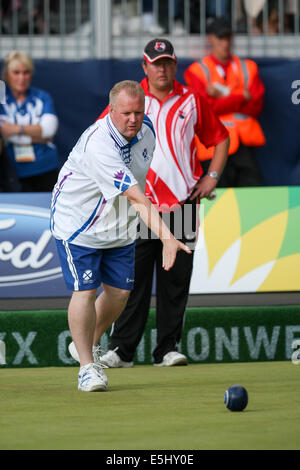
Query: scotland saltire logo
87, 276
121, 180
145, 154
159, 46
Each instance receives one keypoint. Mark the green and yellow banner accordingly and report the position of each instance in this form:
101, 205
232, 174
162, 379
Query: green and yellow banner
249, 241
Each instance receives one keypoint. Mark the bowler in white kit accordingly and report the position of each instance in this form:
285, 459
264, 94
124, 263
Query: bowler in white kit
95, 207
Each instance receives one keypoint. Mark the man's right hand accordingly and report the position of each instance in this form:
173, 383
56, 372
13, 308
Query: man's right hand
170, 248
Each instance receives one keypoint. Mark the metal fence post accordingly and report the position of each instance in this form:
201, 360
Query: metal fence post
102, 28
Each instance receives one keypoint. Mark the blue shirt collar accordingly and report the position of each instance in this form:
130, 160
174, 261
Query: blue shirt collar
118, 138
11, 99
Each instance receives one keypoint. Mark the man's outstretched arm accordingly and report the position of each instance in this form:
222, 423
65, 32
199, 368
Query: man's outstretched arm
152, 219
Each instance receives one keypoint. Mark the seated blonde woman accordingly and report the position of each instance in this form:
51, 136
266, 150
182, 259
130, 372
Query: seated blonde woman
28, 124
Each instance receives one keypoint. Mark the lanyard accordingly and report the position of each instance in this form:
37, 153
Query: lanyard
21, 110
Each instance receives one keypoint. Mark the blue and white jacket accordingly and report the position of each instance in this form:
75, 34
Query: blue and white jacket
38, 108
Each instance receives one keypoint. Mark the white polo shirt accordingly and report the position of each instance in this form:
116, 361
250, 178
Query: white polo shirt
87, 207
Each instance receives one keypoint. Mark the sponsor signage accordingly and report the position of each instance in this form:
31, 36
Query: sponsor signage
248, 242
210, 335
29, 264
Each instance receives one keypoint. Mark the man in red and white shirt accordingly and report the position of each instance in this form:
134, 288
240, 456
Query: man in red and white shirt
175, 186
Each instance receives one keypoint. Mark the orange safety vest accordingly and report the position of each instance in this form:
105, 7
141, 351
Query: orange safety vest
241, 128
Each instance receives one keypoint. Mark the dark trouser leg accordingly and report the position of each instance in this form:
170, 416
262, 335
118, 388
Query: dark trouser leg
241, 169
172, 292
172, 287
205, 165
129, 327
247, 169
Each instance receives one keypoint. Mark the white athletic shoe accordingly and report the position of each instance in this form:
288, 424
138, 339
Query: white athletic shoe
73, 351
111, 359
96, 357
172, 358
89, 379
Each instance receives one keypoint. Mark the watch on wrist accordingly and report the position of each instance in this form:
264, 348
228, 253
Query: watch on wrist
214, 174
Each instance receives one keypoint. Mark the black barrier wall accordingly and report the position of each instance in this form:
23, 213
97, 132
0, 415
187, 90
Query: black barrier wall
80, 92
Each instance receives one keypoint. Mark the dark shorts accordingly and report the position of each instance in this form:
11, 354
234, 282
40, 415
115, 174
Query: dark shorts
86, 268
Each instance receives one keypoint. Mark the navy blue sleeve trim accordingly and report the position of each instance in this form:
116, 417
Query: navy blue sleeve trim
148, 123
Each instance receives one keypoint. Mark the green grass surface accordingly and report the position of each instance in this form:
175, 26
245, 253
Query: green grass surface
151, 408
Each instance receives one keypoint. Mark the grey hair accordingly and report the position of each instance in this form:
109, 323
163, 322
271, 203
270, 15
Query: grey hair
132, 88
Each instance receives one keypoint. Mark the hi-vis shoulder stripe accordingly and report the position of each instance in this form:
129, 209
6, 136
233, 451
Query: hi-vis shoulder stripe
245, 72
206, 70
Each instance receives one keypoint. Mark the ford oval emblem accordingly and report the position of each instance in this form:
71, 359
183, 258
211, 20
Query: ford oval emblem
27, 248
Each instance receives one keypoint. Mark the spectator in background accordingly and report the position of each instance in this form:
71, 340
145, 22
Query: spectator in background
149, 22
160, 24
265, 17
28, 124
35, 18
235, 91
291, 17
272, 23
212, 9
217, 8
20, 17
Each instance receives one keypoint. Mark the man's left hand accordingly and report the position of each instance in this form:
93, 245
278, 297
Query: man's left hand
204, 187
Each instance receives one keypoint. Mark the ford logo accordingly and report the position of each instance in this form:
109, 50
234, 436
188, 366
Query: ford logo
27, 249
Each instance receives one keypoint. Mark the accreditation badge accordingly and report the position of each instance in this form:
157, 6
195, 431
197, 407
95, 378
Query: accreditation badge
24, 153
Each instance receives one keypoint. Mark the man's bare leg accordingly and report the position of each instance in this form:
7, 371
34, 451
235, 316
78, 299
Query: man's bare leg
82, 322
109, 306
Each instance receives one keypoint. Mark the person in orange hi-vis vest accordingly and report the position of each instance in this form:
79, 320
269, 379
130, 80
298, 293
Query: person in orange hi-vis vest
236, 92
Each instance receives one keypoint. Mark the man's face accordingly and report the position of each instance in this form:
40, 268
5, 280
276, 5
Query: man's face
161, 73
127, 114
221, 47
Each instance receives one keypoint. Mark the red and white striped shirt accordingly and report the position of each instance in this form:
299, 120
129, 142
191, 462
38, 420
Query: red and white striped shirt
175, 167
